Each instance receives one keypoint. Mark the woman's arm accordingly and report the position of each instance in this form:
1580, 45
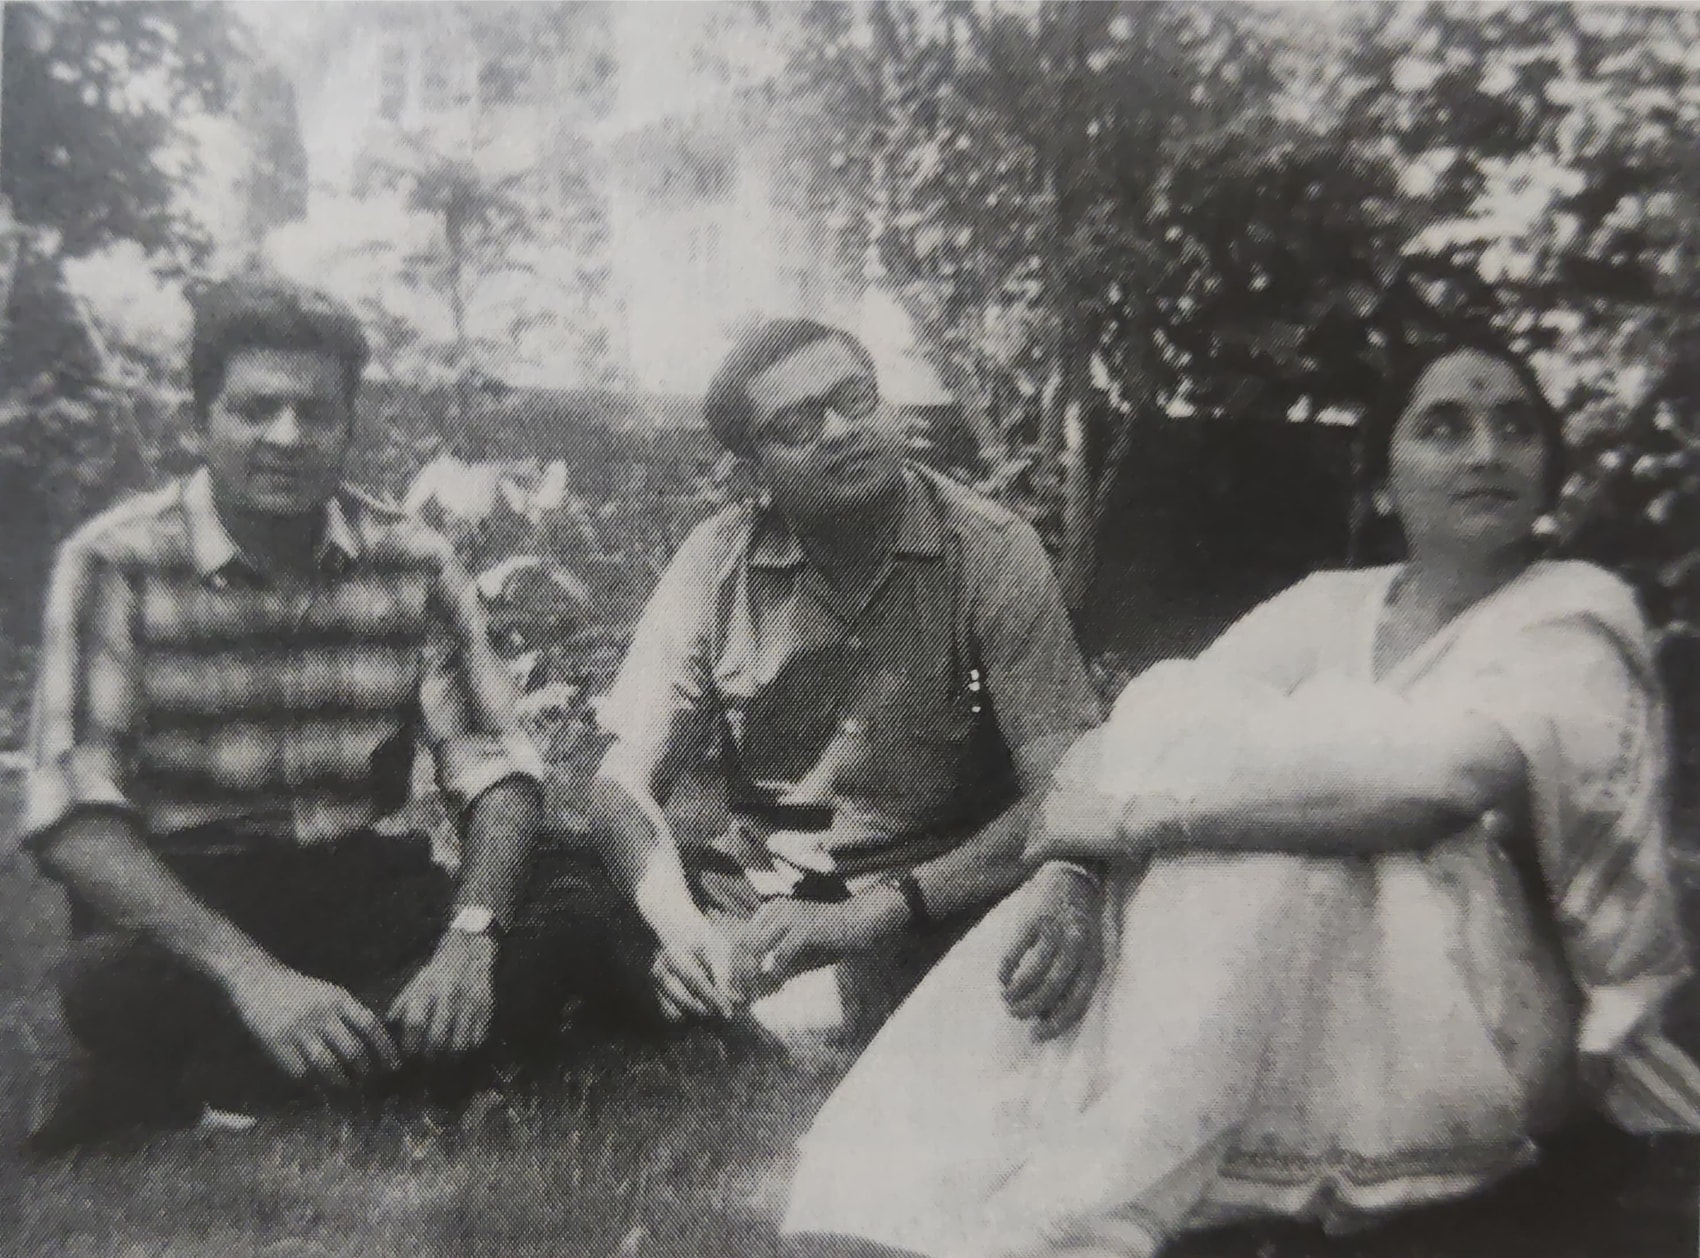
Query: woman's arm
1363, 790
1349, 773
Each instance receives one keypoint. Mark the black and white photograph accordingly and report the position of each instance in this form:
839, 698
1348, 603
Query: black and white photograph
849, 629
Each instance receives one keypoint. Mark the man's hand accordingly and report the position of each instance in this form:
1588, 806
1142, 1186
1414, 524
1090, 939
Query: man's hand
694, 970
1052, 968
311, 1029
788, 937
445, 1009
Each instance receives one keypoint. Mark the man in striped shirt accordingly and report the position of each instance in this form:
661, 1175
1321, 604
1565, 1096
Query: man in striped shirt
235, 672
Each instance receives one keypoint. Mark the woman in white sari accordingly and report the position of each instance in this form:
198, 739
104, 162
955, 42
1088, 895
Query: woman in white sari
1379, 884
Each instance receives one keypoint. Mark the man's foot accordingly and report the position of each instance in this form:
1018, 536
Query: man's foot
102, 1103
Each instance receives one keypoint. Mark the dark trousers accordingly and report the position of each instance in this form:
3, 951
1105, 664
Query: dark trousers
364, 914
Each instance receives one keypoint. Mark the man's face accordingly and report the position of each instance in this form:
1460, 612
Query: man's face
820, 437
278, 431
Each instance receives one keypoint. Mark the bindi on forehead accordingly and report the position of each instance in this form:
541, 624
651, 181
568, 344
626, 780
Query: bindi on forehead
1467, 377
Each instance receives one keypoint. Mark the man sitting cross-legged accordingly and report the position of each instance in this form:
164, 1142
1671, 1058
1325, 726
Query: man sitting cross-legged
235, 671
834, 711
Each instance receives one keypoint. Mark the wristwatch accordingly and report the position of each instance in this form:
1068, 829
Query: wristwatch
474, 919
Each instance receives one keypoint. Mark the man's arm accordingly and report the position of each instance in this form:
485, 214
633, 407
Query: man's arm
787, 937
447, 1008
1041, 700
100, 856
1044, 703
992, 863
639, 847
660, 713
500, 833
694, 971
488, 766
84, 833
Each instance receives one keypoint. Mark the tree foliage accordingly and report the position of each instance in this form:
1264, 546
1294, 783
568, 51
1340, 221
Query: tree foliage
1109, 214
93, 156
1062, 192
91, 96
1562, 150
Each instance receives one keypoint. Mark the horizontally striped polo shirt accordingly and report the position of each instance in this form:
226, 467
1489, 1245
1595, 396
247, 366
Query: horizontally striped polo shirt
181, 683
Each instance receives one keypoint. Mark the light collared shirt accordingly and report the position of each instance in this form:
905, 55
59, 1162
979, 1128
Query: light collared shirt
898, 719
181, 683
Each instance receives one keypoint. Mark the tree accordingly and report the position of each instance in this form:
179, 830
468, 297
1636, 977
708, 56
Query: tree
1161, 211
93, 155
1106, 215
478, 218
90, 99
1553, 162
473, 262
1062, 192
1572, 163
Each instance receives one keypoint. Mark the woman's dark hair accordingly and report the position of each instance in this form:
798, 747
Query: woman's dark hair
726, 405
1375, 430
265, 313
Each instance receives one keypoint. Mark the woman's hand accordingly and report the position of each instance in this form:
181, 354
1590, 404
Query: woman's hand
1051, 970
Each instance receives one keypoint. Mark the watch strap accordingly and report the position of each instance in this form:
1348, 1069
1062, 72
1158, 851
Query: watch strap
475, 919
906, 885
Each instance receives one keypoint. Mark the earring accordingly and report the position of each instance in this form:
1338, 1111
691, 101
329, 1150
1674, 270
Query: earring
1382, 503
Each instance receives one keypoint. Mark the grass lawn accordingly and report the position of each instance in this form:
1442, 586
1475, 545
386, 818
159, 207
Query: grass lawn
631, 1150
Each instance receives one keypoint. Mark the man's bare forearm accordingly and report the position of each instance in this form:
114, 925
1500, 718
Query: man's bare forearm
985, 868
501, 831
640, 852
102, 858
993, 863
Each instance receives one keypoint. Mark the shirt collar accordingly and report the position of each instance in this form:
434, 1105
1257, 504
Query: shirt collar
920, 533
214, 550
341, 545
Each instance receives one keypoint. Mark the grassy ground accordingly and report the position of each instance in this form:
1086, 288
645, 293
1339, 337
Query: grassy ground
630, 1151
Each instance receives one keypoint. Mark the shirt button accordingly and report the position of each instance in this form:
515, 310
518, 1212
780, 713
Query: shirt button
852, 726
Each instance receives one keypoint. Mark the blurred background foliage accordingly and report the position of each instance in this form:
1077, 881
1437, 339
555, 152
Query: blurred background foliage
1125, 232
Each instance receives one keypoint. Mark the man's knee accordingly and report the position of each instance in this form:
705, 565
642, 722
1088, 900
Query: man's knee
123, 995
576, 943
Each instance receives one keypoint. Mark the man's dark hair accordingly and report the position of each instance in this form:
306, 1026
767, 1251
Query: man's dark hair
266, 313
1375, 430
726, 406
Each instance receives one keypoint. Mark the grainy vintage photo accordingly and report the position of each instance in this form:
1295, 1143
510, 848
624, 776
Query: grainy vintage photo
919, 628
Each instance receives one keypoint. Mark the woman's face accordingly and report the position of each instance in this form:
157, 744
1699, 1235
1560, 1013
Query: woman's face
1467, 463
